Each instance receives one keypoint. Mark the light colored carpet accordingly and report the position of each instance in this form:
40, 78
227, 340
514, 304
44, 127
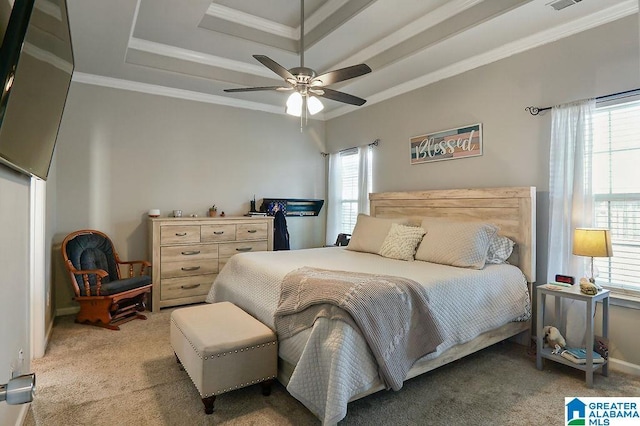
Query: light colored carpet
93, 376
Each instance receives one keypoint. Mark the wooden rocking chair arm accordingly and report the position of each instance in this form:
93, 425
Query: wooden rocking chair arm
99, 272
144, 264
135, 262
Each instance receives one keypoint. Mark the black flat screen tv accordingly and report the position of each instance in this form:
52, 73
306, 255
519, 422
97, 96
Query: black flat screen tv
36, 65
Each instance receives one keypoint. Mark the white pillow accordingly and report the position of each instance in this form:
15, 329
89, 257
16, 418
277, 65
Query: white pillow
401, 242
370, 232
500, 248
462, 244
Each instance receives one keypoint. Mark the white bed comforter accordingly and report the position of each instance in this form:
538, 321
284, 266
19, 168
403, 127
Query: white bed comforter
333, 362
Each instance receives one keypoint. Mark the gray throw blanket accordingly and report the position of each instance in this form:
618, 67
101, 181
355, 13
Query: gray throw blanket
391, 313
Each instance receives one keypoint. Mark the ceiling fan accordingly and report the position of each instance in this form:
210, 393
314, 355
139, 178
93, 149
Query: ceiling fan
306, 84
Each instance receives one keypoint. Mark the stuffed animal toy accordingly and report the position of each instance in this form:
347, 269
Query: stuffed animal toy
587, 287
553, 338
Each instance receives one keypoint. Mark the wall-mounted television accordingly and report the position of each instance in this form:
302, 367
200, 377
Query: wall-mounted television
36, 65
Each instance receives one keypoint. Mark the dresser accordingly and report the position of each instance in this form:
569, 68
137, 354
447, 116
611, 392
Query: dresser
188, 253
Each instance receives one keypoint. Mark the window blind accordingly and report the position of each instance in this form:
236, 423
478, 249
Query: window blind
616, 190
349, 207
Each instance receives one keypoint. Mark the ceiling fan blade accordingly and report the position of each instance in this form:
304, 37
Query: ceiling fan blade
342, 74
341, 97
275, 67
257, 89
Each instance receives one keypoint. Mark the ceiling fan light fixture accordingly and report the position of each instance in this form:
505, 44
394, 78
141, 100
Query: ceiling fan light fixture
314, 105
294, 104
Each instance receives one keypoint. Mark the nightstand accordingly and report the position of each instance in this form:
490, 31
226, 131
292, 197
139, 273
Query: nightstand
572, 292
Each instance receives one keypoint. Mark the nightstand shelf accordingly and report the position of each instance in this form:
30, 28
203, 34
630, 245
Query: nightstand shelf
574, 293
547, 354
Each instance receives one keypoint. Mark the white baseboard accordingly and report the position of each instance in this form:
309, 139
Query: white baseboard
624, 366
71, 310
47, 337
24, 409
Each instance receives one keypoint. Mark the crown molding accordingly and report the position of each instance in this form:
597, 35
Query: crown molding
252, 21
153, 89
323, 13
198, 57
442, 13
548, 36
275, 28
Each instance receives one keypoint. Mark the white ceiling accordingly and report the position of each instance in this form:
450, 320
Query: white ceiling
196, 48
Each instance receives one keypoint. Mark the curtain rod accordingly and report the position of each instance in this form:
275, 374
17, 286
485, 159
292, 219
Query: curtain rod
627, 93
374, 143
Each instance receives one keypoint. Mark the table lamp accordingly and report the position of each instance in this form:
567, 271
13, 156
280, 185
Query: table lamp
592, 242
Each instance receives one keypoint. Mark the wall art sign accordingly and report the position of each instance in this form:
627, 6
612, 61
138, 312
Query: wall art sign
451, 144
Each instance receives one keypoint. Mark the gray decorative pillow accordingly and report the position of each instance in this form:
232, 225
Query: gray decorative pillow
462, 244
500, 248
401, 242
370, 232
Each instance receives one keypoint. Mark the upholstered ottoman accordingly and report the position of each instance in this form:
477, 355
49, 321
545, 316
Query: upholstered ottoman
223, 348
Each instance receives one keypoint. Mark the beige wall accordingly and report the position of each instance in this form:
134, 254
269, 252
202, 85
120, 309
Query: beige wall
121, 153
516, 145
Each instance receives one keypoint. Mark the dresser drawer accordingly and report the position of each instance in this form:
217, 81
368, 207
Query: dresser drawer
229, 249
175, 288
179, 234
251, 231
189, 252
188, 267
217, 232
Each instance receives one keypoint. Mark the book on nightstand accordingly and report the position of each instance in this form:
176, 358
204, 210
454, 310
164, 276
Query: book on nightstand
579, 356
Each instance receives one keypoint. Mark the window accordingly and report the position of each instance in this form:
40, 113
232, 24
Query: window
350, 176
616, 191
349, 199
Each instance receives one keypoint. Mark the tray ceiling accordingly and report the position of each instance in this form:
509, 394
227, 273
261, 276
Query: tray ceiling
195, 49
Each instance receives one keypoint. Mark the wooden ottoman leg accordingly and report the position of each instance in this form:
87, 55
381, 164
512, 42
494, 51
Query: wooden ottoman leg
208, 404
266, 387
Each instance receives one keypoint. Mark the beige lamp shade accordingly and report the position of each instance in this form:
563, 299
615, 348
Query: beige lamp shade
594, 242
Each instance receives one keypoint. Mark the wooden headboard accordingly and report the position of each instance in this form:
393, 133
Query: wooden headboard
512, 209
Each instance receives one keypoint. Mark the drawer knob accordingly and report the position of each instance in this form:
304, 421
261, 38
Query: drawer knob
244, 248
190, 268
190, 286
218, 232
191, 253
252, 231
181, 234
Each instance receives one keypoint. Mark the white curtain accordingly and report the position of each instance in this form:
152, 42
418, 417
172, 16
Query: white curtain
364, 183
334, 200
570, 201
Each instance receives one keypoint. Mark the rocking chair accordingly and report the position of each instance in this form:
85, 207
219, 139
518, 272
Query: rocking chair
106, 299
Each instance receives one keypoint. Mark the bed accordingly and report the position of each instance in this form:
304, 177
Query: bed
330, 363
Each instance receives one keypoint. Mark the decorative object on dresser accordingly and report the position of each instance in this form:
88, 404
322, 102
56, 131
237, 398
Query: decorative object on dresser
592, 242
213, 211
292, 206
188, 253
106, 299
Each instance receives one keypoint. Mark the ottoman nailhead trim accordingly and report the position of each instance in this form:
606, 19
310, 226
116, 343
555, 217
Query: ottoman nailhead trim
241, 350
